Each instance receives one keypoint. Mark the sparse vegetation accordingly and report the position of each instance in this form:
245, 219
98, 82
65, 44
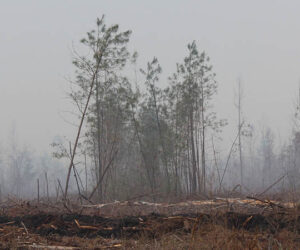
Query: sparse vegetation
148, 166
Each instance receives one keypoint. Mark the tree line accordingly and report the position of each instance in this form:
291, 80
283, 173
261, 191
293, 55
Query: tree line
136, 137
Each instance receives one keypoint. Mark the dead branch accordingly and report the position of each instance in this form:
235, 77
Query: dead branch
228, 158
102, 177
270, 203
23, 225
267, 189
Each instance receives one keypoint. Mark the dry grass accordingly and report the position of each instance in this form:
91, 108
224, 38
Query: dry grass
203, 225
218, 237
209, 237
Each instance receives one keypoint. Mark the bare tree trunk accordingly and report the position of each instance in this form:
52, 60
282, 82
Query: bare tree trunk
151, 178
60, 186
86, 175
100, 170
228, 158
47, 185
239, 106
103, 174
215, 159
194, 163
38, 190
165, 160
80, 125
203, 142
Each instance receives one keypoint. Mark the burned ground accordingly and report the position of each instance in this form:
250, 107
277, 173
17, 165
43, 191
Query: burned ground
40, 226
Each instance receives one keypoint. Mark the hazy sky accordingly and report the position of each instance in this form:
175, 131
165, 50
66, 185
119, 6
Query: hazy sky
257, 40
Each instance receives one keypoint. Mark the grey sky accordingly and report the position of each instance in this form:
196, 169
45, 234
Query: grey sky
256, 40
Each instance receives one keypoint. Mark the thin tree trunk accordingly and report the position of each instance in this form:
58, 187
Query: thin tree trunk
86, 175
38, 190
80, 125
203, 142
239, 106
165, 160
100, 170
194, 164
47, 185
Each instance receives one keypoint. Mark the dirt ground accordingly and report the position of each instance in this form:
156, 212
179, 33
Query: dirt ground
203, 224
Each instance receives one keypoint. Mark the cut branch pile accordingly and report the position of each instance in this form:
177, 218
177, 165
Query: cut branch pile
128, 208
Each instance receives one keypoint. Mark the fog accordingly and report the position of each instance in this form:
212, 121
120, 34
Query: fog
254, 42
